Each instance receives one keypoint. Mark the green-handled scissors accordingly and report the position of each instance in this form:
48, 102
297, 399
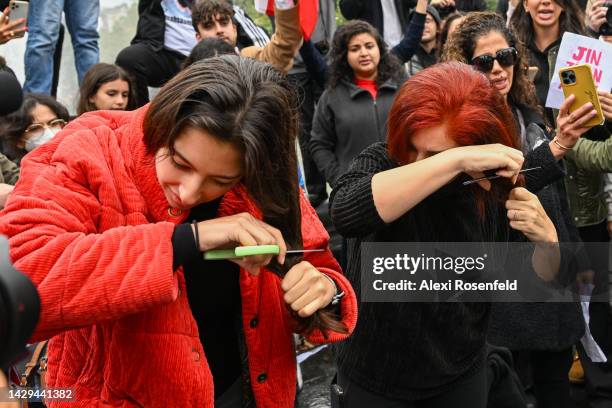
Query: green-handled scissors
241, 251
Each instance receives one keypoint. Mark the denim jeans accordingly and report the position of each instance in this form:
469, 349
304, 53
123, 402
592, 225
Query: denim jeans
44, 22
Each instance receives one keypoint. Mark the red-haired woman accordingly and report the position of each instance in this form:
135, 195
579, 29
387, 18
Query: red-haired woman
445, 121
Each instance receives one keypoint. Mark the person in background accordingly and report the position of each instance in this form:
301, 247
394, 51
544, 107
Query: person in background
208, 48
446, 7
596, 156
106, 87
44, 21
449, 25
114, 242
389, 17
595, 17
9, 174
38, 120
404, 51
427, 54
214, 18
318, 69
164, 38
540, 335
352, 112
309, 90
505, 8
540, 24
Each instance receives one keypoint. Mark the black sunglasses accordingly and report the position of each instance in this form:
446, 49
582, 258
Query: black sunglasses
506, 57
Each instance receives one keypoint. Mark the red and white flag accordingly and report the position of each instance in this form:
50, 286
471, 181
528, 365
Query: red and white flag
308, 10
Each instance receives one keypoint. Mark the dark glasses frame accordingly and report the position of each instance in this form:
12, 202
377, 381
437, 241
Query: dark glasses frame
507, 57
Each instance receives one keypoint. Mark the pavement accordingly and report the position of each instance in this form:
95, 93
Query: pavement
318, 371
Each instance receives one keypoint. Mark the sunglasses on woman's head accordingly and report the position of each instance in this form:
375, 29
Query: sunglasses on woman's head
506, 57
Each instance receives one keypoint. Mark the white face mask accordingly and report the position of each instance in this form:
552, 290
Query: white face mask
33, 142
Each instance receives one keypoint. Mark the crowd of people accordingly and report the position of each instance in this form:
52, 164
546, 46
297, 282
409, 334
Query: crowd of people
253, 139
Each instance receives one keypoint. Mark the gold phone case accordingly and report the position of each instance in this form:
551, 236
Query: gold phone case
584, 90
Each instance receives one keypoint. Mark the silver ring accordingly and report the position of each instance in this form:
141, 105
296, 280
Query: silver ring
515, 218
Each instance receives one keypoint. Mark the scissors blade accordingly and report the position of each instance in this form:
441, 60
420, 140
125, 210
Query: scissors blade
467, 183
301, 251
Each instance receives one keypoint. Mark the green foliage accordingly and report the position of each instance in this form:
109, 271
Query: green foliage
264, 21
260, 19
118, 27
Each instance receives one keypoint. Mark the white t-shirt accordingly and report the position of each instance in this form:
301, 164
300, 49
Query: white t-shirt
179, 35
391, 24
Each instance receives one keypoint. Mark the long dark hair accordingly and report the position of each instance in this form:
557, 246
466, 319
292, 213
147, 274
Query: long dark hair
252, 106
97, 76
571, 19
13, 126
460, 47
388, 68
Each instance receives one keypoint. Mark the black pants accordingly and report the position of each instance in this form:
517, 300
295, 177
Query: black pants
57, 60
546, 372
469, 392
148, 67
232, 397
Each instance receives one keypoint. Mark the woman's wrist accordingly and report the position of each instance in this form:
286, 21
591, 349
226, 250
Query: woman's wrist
557, 152
455, 158
559, 147
337, 295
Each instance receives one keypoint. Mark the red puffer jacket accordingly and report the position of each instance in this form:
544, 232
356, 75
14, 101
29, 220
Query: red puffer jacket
89, 224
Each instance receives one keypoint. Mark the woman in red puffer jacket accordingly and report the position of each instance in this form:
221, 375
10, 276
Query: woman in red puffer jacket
110, 220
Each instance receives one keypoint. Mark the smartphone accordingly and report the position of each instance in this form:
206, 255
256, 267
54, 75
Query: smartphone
578, 80
19, 10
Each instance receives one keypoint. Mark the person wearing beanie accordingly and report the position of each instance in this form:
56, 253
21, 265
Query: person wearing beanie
427, 54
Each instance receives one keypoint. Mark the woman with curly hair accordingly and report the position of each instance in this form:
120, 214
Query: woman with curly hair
494, 49
542, 344
352, 112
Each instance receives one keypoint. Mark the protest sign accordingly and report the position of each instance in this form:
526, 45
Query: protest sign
577, 49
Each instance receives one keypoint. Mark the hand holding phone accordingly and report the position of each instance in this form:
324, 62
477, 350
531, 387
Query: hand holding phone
578, 80
13, 21
580, 111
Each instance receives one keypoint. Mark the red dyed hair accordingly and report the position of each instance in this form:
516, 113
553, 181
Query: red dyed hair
456, 95
453, 94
